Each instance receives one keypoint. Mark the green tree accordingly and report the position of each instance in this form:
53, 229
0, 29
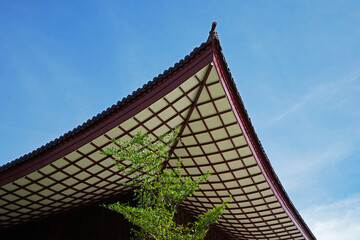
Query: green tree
158, 190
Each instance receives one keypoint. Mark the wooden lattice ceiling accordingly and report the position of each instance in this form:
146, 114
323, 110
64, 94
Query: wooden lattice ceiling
198, 94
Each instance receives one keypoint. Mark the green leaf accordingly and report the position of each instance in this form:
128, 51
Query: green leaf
158, 191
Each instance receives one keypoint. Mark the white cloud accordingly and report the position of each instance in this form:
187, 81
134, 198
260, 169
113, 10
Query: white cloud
297, 167
321, 94
337, 220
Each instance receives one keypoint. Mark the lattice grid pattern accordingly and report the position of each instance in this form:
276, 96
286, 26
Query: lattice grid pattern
212, 141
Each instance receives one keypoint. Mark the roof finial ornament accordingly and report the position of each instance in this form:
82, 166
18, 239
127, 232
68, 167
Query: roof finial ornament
212, 32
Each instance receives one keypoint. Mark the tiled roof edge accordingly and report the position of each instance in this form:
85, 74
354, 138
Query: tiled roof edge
256, 138
115, 107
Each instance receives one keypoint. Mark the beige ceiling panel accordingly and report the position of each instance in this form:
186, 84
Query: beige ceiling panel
189, 84
216, 91
174, 95
207, 109
213, 76
204, 97
167, 113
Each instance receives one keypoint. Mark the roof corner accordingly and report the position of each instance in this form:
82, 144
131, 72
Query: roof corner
212, 33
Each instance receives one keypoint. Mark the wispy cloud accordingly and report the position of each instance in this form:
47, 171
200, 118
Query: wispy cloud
318, 158
318, 94
298, 168
337, 220
315, 141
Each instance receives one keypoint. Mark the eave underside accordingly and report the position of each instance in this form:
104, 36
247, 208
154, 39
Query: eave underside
213, 140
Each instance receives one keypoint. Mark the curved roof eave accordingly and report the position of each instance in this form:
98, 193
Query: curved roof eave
29, 162
262, 157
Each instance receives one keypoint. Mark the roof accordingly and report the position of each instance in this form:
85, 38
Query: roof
199, 94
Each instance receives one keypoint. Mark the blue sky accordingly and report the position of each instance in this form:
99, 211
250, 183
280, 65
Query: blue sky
296, 65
